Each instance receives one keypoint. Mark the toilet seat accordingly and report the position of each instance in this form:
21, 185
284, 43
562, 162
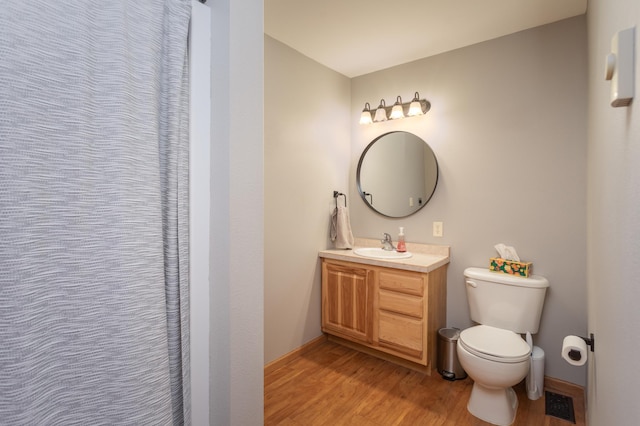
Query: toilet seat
494, 344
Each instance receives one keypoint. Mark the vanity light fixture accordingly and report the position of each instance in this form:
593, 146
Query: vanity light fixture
396, 111
414, 108
381, 112
365, 117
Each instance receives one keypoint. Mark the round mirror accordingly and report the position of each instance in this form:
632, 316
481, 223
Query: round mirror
397, 174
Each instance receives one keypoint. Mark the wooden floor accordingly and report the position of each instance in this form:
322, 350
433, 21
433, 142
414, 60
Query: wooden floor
335, 385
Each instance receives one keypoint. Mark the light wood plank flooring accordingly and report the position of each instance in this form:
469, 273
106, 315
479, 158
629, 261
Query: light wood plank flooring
335, 385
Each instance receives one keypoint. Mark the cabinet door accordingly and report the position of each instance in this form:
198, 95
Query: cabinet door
347, 301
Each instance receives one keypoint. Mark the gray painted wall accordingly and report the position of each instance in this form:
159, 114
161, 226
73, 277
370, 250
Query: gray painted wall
307, 152
613, 226
508, 125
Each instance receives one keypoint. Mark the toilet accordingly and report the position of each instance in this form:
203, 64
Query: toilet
493, 353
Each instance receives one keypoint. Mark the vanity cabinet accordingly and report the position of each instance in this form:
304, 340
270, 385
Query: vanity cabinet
387, 312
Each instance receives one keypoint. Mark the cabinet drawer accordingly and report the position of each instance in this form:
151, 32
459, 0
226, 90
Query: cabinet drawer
404, 283
402, 334
401, 303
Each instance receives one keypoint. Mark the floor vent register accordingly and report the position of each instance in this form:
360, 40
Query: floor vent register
559, 406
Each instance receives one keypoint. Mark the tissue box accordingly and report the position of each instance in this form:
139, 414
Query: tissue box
511, 267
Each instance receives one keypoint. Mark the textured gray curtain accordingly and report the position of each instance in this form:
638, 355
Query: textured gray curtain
93, 212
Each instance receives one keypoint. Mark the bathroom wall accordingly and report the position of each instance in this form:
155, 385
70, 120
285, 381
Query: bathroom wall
307, 153
508, 126
613, 226
236, 301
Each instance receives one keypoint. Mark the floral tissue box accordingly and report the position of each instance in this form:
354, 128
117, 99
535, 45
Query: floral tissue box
510, 267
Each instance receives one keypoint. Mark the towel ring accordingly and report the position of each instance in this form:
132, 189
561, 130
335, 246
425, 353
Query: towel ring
336, 194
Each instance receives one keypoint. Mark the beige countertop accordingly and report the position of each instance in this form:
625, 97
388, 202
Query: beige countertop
425, 257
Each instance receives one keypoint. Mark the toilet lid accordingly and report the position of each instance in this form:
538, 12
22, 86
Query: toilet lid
495, 343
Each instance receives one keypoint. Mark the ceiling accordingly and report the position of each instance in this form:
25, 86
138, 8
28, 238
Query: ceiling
356, 37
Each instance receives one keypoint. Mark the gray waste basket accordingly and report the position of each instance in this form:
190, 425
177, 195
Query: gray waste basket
448, 365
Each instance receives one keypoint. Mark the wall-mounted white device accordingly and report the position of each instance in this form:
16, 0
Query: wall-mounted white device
620, 67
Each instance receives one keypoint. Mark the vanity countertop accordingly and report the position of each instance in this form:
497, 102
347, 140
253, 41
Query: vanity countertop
425, 257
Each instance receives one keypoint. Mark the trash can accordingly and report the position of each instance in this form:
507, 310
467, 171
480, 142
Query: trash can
448, 365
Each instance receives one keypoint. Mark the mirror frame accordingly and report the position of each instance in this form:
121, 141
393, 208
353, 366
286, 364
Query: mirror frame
361, 160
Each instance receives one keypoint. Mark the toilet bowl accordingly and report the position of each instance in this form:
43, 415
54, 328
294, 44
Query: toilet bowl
496, 360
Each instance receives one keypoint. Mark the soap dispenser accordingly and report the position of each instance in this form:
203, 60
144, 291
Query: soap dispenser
401, 247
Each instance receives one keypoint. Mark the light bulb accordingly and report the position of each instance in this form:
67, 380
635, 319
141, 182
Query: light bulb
365, 117
396, 111
381, 112
416, 107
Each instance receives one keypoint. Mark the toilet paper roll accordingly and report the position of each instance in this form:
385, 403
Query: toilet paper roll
574, 350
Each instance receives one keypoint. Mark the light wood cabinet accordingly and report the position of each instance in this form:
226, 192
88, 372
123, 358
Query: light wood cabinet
347, 301
387, 312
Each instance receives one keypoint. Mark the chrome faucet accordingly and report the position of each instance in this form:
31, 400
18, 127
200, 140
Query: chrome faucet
387, 243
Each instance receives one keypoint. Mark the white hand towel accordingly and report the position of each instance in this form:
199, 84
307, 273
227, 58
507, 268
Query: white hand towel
341, 228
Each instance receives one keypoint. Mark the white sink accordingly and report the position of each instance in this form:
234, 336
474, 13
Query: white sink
378, 253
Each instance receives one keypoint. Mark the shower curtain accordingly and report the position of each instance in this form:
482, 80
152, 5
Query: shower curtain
93, 212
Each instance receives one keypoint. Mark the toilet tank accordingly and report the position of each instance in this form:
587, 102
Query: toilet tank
505, 301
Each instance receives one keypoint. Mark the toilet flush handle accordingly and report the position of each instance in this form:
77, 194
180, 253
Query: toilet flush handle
471, 283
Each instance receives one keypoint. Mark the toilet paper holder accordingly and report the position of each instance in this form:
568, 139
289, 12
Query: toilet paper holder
590, 341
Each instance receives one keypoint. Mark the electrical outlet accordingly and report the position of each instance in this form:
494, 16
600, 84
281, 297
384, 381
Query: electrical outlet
410, 201
437, 229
